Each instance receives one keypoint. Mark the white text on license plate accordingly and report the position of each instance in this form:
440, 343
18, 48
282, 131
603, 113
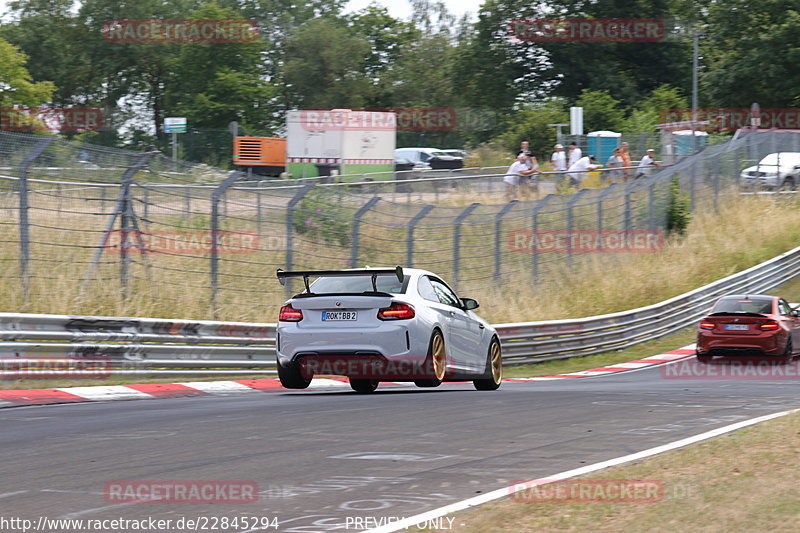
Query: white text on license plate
737, 327
339, 315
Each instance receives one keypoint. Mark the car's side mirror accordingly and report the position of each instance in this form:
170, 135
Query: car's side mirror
470, 303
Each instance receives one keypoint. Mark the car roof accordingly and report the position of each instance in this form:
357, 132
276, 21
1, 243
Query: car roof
746, 296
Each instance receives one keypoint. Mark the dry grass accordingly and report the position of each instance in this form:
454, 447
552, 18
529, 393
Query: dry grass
745, 231
738, 483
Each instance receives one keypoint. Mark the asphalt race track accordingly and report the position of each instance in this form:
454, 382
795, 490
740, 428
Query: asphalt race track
321, 457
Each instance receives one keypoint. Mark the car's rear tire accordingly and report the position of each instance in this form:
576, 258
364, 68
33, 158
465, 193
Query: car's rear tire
291, 378
703, 358
788, 353
364, 386
494, 368
436, 361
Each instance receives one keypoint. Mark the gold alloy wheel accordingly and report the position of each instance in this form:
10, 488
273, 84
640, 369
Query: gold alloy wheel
439, 357
497, 362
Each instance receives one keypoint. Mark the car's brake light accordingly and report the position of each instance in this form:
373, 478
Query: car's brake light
707, 325
397, 311
290, 314
769, 326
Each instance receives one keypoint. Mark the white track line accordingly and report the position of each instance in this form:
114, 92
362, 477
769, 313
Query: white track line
107, 392
524, 485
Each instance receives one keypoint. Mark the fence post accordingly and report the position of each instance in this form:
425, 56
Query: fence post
498, 223
356, 227
627, 218
216, 195
290, 230
600, 200
187, 204
651, 205
24, 223
457, 240
570, 221
534, 234
119, 209
410, 235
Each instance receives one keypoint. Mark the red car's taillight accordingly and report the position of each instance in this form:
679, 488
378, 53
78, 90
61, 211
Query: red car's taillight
397, 311
290, 314
707, 325
769, 326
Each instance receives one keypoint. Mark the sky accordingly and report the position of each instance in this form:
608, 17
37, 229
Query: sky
397, 8
402, 8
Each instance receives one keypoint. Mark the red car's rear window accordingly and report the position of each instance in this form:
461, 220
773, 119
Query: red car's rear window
741, 305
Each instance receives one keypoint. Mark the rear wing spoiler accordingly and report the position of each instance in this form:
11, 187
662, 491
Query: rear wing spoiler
369, 272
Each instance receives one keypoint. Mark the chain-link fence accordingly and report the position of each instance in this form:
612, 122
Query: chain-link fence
83, 226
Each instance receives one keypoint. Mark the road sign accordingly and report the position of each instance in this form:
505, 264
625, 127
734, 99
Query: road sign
175, 125
576, 121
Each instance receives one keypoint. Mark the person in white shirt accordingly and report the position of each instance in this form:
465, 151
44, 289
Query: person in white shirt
579, 169
574, 154
647, 163
518, 170
559, 159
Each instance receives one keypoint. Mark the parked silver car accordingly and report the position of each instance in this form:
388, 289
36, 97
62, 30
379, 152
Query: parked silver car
776, 171
375, 325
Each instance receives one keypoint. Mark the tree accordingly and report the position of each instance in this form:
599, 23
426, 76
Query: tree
16, 85
325, 66
531, 124
600, 111
751, 54
650, 111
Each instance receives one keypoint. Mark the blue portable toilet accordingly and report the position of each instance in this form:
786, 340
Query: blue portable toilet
601, 144
683, 141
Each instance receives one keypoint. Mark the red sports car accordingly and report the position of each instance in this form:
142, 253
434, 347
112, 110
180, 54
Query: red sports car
750, 325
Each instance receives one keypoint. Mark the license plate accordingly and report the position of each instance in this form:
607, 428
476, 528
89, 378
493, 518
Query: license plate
737, 327
339, 315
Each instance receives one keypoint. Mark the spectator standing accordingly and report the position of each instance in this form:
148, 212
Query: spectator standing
559, 159
577, 170
626, 161
518, 170
647, 163
614, 162
525, 148
574, 154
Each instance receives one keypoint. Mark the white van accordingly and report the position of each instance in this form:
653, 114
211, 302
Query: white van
776, 171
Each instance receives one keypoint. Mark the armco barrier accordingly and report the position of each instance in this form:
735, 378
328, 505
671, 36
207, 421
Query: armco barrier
158, 346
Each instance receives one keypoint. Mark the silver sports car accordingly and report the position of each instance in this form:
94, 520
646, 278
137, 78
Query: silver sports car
379, 324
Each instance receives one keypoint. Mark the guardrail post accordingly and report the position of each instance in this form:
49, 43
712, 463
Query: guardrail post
498, 224
356, 227
535, 234
24, 223
290, 230
410, 235
571, 222
457, 240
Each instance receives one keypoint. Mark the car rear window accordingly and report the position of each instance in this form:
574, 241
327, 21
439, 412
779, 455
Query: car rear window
744, 305
338, 284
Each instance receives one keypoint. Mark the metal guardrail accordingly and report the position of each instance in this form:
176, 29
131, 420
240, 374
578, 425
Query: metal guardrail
148, 345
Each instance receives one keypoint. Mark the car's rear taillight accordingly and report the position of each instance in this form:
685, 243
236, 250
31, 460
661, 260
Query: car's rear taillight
397, 311
290, 314
707, 325
769, 326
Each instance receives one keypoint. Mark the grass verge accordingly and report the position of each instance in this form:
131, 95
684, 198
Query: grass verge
740, 482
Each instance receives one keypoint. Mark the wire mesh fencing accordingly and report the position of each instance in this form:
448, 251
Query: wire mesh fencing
99, 231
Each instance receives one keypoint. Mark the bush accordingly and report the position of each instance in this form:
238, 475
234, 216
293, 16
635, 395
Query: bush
678, 213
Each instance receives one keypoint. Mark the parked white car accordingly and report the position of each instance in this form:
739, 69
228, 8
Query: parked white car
429, 158
373, 325
776, 171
